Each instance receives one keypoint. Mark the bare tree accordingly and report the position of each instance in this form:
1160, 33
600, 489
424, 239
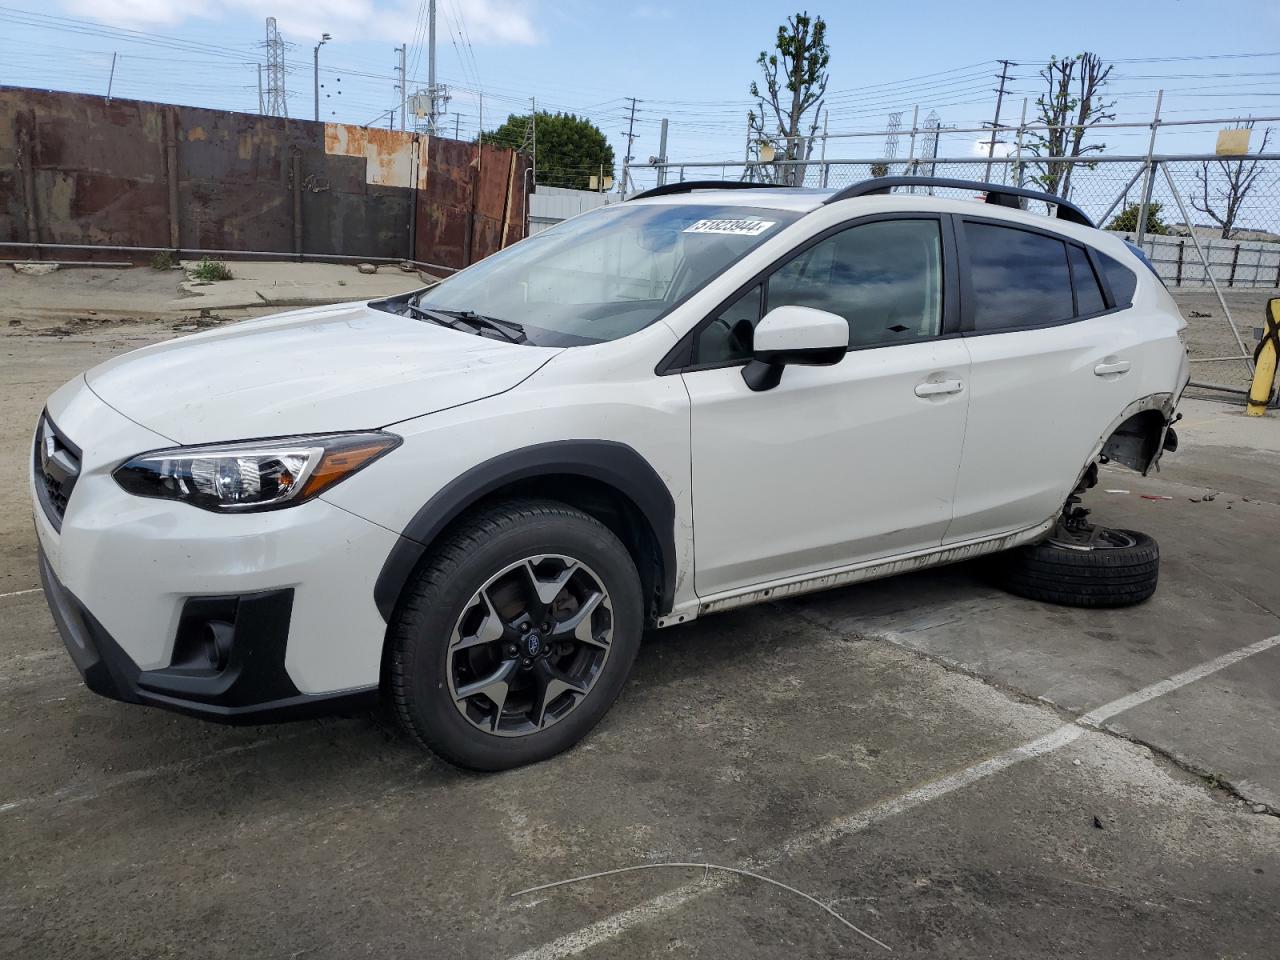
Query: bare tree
1074, 102
1222, 203
795, 79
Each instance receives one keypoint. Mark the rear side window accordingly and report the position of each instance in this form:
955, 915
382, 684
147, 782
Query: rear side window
1019, 278
1120, 278
1088, 294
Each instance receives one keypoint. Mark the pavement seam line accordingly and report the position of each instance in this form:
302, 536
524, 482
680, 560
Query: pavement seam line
19, 593
606, 929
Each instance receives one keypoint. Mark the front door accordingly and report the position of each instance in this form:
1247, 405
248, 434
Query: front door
837, 464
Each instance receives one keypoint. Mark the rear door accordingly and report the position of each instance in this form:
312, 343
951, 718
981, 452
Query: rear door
1054, 359
836, 464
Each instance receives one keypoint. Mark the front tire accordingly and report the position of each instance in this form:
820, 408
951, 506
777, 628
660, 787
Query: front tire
1100, 567
516, 635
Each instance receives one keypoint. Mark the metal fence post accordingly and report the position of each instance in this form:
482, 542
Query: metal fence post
1151, 173
823, 158
1022, 129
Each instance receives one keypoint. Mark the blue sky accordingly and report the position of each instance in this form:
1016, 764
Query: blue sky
691, 62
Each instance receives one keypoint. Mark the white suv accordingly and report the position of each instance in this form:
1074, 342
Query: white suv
473, 499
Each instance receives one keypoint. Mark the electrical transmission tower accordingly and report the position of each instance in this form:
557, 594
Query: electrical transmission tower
891, 138
929, 143
277, 100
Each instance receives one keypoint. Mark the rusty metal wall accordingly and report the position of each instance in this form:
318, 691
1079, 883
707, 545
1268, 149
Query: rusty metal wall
79, 169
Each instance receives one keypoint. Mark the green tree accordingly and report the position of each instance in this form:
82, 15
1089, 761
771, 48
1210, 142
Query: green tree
1127, 219
570, 149
1073, 102
795, 81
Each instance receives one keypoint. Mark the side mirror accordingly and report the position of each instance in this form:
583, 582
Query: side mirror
791, 334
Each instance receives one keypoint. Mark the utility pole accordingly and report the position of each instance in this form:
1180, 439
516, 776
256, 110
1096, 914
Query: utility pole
402, 89
431, 67
261, 109
995, 124
662, 152
457, 120
324, 38
111, 78
626, 161
531, 138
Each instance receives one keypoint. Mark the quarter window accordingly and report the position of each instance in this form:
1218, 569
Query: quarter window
1085, 282
1019, 278
1121, 280
728, 335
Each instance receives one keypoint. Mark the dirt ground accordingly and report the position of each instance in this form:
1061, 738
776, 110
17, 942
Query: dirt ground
951, 770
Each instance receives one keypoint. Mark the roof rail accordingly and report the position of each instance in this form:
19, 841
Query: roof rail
997, 194
688, 186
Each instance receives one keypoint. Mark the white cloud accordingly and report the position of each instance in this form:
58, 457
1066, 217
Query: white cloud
647, 11
979, 148
488, 22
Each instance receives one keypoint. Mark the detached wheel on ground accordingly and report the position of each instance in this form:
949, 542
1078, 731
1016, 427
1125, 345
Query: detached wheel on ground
1085, 567
516, 636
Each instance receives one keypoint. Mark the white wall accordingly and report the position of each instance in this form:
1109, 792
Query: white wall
549, 205
1256, 265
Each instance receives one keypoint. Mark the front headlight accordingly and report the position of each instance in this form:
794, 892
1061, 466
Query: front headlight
252, 475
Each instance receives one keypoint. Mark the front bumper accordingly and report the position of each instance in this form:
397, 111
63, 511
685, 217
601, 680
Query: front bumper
250, 686
289, 591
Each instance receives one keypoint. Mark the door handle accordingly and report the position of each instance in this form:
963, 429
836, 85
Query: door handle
1113, 367
932, 388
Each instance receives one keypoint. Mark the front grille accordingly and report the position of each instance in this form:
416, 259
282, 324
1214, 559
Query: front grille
56, 462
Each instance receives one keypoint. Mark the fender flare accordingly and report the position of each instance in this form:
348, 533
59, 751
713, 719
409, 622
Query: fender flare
606, 461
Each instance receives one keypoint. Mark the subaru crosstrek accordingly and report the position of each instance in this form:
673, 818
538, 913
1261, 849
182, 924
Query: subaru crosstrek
473, 499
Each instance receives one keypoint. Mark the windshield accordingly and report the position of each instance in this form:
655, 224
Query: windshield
605, 274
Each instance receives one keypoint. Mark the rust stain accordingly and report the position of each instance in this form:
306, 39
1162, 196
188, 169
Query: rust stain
101, 173
388, 154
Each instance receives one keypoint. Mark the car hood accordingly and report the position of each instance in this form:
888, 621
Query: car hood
345, 367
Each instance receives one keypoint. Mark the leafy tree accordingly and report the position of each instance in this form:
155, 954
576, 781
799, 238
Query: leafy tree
795, 81
569, 151
880, 169
1222, 203
1127, 219
1074, 102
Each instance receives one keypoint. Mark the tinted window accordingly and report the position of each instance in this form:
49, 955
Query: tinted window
728, 336
1121, 280
1019, 278
1088, 293
884, 278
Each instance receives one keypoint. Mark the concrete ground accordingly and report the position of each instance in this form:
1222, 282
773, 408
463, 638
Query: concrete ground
951, 770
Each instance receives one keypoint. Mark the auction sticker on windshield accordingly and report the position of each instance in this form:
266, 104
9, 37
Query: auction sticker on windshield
739, 228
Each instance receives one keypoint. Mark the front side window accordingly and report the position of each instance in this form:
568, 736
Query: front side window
1019, 278
728, 335
606, 274
884, 278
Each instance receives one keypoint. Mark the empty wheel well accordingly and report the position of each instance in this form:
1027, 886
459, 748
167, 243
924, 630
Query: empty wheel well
1138, 441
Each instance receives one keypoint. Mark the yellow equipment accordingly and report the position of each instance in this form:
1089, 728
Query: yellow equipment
1264, 361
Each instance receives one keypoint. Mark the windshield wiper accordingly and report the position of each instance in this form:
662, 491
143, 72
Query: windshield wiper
507, 329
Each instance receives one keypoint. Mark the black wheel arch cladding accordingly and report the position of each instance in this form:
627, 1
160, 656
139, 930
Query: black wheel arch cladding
615, 465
